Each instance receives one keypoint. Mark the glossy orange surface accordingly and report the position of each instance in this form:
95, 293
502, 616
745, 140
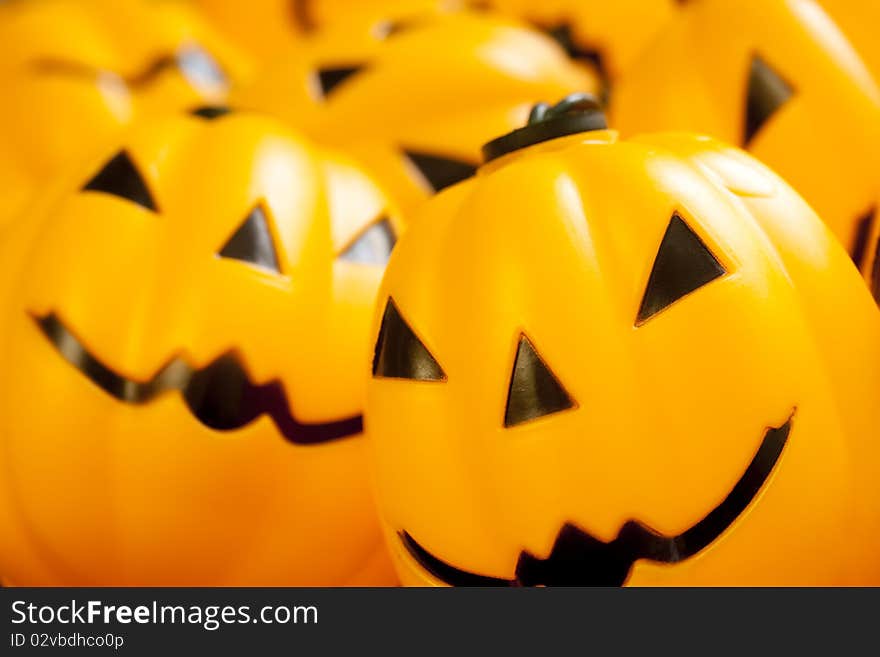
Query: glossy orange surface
83, 70
156, 479
822, 130
661, 418
440, 86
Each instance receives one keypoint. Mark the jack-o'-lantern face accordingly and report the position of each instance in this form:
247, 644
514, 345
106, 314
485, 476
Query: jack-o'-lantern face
641, 362
184, 333
82, 70
415, 102
777, 78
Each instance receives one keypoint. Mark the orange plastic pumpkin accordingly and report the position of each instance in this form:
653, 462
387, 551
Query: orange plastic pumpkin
184, 337
607, 362
416, 102
778, 78
610, 34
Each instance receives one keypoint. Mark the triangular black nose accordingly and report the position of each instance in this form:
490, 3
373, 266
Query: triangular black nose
252, 242
534, 390
330, 78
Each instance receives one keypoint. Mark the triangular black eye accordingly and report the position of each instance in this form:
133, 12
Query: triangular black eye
252, 242
400, 354
534, 390
766, 94
119, 177
373, 246
683, 264
440, 172
211, 112
330, 78
864, 226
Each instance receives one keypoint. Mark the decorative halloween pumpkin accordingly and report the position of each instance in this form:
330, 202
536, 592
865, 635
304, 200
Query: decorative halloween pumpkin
609, 34
81, 70
778, 78
642, 362
184, 336
858, 20
416, 102
267, 28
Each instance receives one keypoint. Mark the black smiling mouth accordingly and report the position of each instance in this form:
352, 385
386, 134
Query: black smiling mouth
220, 395
580, 559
